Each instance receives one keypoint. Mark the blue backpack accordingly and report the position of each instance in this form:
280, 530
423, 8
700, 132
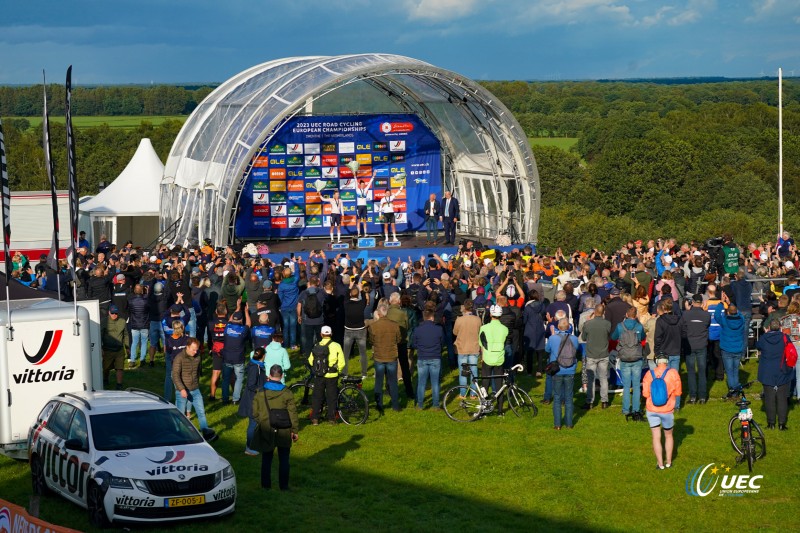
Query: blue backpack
658, 389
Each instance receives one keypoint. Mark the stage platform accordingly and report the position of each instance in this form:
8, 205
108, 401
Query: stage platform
410, 245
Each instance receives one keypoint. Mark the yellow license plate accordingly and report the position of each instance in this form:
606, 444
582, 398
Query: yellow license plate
185, 501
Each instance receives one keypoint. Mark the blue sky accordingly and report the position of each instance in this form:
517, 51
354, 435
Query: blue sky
142, 41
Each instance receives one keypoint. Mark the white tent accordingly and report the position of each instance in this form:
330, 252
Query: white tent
128, 209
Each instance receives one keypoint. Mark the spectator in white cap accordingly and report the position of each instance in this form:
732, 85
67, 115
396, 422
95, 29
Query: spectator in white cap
327, 361
389, 285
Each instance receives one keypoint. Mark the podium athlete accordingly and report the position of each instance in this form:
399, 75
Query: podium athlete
362, 195
337, 209
387, 209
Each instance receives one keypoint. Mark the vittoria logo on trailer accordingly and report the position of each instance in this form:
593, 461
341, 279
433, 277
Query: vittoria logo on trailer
49, 346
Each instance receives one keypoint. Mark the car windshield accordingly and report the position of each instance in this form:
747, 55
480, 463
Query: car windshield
142, 429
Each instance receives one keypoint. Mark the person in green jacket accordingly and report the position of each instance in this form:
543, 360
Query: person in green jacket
492, 339
275, 395
115, 342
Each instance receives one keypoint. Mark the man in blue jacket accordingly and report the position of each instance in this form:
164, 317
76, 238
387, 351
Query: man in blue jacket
731, 344
428, 339
288, 293
235, 335
743, 298
775, 375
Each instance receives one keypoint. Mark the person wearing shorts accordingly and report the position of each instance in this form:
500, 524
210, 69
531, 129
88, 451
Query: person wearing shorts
337, 208
362, 197
387, 210
662, 416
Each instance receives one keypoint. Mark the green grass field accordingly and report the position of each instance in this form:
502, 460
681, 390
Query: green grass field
419, 471
124, 122
565, 143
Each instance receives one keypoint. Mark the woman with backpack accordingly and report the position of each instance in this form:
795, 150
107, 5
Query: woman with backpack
661, 387
256, 376
275, 411
563, 380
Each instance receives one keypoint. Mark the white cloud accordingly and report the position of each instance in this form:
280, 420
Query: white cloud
439, 10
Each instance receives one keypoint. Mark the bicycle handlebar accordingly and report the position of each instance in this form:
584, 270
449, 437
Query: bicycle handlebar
517, 368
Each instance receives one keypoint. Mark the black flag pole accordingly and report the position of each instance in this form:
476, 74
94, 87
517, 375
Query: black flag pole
52, 259
6, 200
73, 194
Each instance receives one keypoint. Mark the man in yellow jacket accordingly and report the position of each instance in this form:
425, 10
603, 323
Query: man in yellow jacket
327, 361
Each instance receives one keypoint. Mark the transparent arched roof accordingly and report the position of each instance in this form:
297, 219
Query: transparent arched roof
486, 161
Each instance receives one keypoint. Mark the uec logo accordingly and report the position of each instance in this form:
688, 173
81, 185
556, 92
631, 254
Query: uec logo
698, 484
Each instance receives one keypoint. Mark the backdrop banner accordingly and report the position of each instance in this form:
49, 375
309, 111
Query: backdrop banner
313, 155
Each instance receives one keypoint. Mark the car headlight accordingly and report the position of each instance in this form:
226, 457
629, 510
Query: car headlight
120, 483
141, 485
227, 472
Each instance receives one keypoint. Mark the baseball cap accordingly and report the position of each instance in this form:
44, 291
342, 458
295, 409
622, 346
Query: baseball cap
445, 257
666, 258
662, 357
788, 264
496, 311
326, 330
697, 253
287, 264
343, 262
615, 291
467, 263
386, 275
404, 265
120, 278
266, 284
237, 315
113, 309
175, 308
480, 290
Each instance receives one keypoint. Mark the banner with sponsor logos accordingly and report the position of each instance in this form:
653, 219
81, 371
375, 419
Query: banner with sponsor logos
14, 518
280, 198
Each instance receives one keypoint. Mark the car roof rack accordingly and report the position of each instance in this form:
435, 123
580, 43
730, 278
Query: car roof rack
84, 401
147, 392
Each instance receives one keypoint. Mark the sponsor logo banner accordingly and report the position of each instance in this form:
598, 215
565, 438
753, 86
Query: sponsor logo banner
314, 221
295, 173
277, 186
312, 160
297, 197
260, 185
295, 210
330, 160
349, 220
397, 146
345, 172
380, 147
297, 222
277, 173
347, 148
400, 218
363, 147
261, 162
315, 209
326, 209
279, 210
329, 148
364, 159
330, 172
278, 198
260, 198
261, 211
294, 148
398, 183
259, 173
311, 148
376, 158
279, 222
347, 184
294, 161
312, 173
349, 209
295, 186
398, 157
344, 159
348, 196
277, 148
380, 183
365, 172
312, 198
277, 160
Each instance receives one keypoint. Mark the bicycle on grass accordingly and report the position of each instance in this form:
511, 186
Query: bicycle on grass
352, 405
747, 438
470, 402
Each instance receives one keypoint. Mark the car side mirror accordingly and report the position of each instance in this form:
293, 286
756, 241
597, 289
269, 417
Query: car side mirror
75, 445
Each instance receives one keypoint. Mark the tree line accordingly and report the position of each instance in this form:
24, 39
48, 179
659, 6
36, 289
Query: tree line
685, 160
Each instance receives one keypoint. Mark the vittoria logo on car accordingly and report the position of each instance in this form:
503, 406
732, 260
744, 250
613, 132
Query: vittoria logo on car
171, 469
129, 501
169, 458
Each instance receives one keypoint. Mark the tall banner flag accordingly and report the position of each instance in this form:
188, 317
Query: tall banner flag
73, 184
6, 206
52, 259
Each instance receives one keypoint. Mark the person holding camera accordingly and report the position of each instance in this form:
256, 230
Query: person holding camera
273, 407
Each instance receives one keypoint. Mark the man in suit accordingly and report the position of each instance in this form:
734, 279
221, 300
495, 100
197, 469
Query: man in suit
432, 219
449, 216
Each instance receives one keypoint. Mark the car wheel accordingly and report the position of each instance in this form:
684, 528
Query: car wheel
94, 504
37, 477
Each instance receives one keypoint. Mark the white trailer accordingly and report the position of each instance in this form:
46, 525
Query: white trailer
45, 352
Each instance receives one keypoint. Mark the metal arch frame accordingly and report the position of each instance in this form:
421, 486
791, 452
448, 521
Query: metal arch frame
497, 123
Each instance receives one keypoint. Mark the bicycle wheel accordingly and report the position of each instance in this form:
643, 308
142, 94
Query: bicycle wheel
521, 403
461, 408
353, 405
735, 434
302, 392
759, 443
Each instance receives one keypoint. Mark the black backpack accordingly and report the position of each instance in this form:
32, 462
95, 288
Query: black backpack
311, 306
320, 361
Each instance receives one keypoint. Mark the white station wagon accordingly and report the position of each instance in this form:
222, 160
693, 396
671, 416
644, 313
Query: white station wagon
128, 456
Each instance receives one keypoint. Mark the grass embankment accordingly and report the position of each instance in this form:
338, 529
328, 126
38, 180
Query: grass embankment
417, 471
565, 143
122, 122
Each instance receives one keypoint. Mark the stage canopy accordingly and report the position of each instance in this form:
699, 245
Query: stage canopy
486, 158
